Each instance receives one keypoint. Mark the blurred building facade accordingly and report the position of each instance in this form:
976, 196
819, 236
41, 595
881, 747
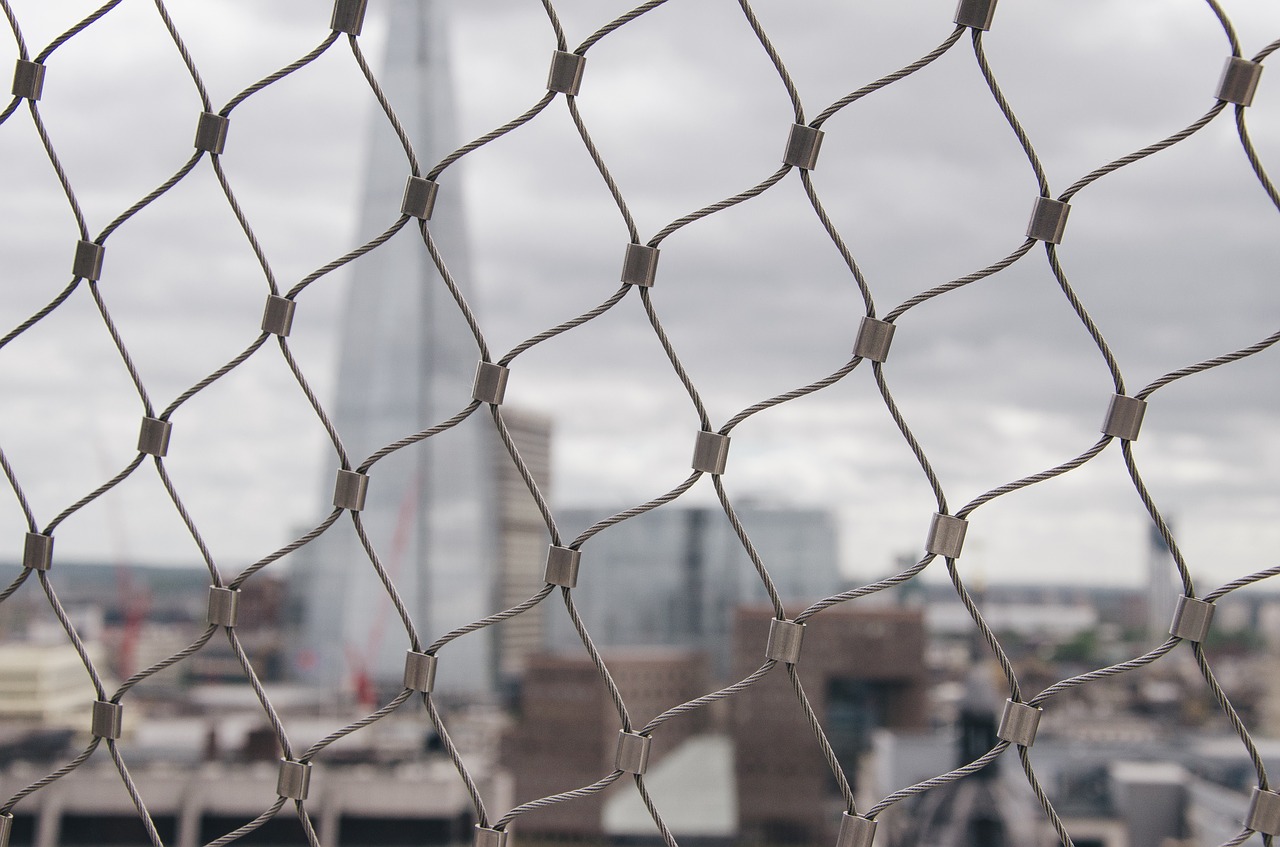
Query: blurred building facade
443, 514
861, 670
674, 576
566, 734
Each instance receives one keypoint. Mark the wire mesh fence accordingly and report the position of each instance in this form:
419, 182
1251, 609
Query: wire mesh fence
80, 311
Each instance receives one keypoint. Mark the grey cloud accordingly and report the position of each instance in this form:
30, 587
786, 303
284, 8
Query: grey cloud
924, 181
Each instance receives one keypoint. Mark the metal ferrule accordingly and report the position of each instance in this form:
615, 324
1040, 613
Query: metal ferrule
28, 80
1048, 220
1239, 81
1019, 723
224, 603
153, 438
490, 384
486, 837
37, 551
211, 132
946, 535
1264, 812
562, 566
419, 671
565, 75
976, 14
640, 267
710, 452
633, 752
88, 261
785, 638
295, 779
107, 718
6, 828
419, 199
348, 16
277, 317
855, 831
874, 338
350, 490
1124, 417
802, 147
1191, 619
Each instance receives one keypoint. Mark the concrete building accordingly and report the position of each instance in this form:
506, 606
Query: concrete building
1189, 790
522, 542
46, 684
350, 806
673, 576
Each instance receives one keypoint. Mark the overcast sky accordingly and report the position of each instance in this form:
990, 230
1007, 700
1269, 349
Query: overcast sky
1175, 259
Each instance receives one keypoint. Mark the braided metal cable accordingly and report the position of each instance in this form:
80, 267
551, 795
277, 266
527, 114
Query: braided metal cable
609, 181
989, 78
667, 837
707, 699
547, 335
545, 802
456, 292
368, 720
887, 80
607, 678
683, 375
52, 777
252, 677
165, 663
1162, 527
136, 797
752, 553
838, 240
939, 781
392, 594
60, 171
526, 475
186, 56
189, 523
916, 450
74, 637
297, 544
828, 753
482, 816
1232, 716
1096, 334
1043, 798
18, 493
498, 617
253, 825
1102, 673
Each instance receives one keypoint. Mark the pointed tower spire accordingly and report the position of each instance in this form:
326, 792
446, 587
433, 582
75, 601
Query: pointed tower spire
407, 358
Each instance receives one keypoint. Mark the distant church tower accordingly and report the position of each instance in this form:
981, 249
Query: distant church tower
407, 362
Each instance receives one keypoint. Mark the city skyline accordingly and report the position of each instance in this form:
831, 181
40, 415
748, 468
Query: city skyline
1031, 395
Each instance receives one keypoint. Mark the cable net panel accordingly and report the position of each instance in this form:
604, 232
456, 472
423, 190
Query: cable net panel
81, 310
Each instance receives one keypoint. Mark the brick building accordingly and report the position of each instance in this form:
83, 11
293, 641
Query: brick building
861, 669
567, 730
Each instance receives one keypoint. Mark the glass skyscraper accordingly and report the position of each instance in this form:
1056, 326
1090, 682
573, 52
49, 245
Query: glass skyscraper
407, 363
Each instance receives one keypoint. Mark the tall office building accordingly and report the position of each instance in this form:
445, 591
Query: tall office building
433, 511
674, 576
1163, 586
